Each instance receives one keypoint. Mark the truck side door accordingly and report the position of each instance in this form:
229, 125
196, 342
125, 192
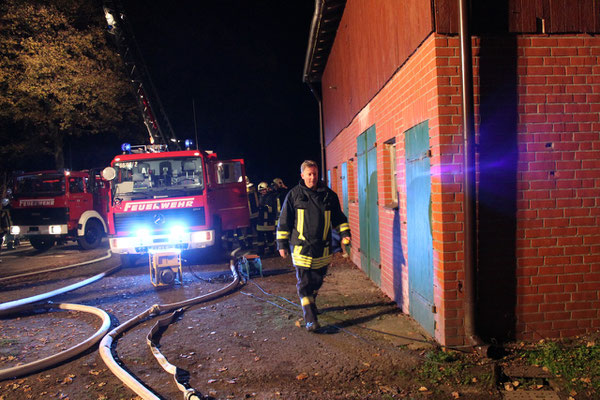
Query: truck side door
229, 194
78, 199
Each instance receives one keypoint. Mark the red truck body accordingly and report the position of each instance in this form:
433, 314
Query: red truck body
51, 206
164, 200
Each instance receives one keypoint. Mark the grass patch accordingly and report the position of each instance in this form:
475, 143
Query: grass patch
449, 368
577, 363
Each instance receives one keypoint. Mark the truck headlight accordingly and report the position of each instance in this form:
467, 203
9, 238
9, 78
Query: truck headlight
178, 234
15, 230
202, 236
122, 243
144, 236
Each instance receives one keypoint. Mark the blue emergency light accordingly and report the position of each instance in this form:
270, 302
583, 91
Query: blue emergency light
188, 143
126, 147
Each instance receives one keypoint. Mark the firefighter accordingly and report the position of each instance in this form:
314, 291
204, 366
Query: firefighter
266, 219
253, 208
309, 213
5, 222
281, 190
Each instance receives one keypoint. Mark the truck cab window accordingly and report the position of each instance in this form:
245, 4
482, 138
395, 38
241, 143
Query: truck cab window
76, 185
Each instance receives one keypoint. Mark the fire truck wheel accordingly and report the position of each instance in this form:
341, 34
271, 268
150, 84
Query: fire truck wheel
41, 244
92, 236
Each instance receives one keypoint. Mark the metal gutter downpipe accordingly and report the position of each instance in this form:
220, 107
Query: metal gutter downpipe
468, 118
312, 43
321, 130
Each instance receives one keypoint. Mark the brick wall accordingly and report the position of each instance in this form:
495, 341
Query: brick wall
558, 194
538, 105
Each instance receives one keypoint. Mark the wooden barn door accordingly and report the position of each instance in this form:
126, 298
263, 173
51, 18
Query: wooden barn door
418, 210
368, 204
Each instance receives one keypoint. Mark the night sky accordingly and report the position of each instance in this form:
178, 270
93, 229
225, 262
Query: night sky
241, 63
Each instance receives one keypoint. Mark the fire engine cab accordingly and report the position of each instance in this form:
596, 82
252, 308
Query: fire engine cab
181, 200
60, 205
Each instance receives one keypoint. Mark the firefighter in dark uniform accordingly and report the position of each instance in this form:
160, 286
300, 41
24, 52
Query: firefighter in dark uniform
309, 213
5, 222
280, 190
253, 208
266, 219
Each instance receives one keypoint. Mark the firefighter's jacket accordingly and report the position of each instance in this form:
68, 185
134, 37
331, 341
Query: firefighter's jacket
252, 201
267, 212
305, 224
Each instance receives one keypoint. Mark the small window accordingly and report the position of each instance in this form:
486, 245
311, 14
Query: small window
75, 185
229, 172
390, 173
329, 178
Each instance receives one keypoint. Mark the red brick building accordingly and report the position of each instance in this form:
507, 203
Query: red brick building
387, 75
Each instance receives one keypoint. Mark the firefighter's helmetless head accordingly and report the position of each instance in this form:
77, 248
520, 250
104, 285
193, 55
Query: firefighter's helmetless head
309, 171
263, 187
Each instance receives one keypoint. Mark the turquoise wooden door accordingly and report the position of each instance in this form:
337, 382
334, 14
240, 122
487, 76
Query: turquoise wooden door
366, 151
344, 178
418, 211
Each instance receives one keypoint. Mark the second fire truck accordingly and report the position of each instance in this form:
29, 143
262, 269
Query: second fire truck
60, 205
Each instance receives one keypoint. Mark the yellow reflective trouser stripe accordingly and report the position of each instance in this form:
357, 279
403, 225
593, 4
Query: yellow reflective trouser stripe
310, 262
300, 224
326, 252
297, 249
278, 205
344, 227
327, 224
283, 235
265, 228
307, 300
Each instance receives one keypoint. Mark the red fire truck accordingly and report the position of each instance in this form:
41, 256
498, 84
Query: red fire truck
51, 206
164, 200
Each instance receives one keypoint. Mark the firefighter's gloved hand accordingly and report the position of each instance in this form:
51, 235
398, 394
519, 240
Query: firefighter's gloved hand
284, 253
346, 240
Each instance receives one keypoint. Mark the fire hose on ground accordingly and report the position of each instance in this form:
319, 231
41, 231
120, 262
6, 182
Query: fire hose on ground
31, 303
106, 256
179, 375
47, 362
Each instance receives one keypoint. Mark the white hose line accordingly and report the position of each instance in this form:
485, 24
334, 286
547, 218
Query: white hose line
7, 278
16, 305
47, 362
157, 309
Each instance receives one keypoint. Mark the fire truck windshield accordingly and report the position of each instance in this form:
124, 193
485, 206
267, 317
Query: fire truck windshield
154, 176
40, 185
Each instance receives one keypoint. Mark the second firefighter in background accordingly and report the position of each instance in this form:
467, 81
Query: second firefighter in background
308, 214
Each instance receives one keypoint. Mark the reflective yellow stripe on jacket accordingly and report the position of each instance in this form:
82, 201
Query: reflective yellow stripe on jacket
300, 224
327, 224
283, 235
343, 227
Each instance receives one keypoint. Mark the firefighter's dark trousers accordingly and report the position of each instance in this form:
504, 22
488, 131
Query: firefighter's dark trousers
308, 282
